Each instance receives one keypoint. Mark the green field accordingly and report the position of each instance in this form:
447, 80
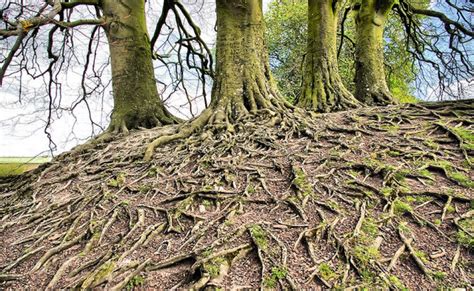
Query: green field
10, 166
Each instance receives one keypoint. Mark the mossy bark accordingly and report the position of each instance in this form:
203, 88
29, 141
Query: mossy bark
243, 82
371, 86
136, 99
323, 90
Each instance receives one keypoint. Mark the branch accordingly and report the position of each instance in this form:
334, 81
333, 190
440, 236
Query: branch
442, 17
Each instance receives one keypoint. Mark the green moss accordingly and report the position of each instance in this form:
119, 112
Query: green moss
439, 275
464, 238
370, 228
135, 282
450, 209
326, 272
152, 172
104, 271
394, 153
301, 182
431, 144
422, 256
251, 189
410, 199
208, 188
462, 179
206, 253
366, 254
401, 207
145, 188
459, 177
386, 191
403, 227
426, 174
259, 236
112, 183
397, 283
118, 181
277, 273
213, 267
437, 222
391, 128
466, 135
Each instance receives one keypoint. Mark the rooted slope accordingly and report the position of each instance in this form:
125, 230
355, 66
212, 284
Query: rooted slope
377, 196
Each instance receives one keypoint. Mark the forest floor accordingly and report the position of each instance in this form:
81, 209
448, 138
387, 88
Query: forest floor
370, 197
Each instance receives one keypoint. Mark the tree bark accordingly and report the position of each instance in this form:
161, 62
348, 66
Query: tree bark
371, 86
243, 82
136, 99
323, 90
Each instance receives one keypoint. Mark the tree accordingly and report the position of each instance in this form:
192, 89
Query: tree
371, 17
136, 99
243, 83
323, 89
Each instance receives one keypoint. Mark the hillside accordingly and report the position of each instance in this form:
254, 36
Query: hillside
370, 197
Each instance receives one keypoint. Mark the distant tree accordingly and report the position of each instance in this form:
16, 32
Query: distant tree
370, 18
403, 61
322, 88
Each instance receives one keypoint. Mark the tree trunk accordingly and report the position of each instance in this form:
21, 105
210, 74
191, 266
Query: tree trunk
323, 89
243, 82
136, 99
371, 86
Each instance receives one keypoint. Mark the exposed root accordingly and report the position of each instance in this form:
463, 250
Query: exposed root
376, 198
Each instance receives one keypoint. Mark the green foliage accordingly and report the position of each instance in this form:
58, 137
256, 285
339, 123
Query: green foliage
286, 22
286, 38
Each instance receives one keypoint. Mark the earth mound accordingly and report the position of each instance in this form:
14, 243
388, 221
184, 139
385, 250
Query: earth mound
370, 197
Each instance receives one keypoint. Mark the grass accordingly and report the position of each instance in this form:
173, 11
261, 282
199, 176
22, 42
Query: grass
12, 166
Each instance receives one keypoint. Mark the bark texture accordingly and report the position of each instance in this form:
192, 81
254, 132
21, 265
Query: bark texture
323, 90
371, 86
136, 99
243, 81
